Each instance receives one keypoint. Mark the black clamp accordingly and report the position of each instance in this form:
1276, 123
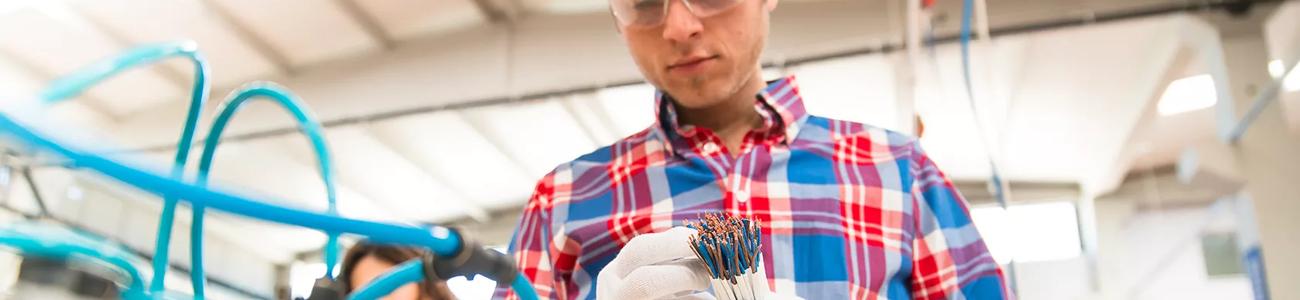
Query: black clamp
471, 260
327, 289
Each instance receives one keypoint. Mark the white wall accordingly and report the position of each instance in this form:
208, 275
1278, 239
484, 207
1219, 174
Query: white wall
1143, 255
1157, 254
1052, 280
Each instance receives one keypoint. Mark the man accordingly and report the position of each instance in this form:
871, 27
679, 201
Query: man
848, 211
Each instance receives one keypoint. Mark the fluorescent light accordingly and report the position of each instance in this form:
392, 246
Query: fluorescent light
10, 6
1188, 94
1276, 69
1034, 232
1292, 82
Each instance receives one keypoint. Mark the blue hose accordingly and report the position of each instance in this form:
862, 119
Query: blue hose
437, 239
967, 9
73, 85
60, 243
413, 271
310, 127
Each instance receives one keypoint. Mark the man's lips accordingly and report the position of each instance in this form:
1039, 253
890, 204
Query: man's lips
691, 65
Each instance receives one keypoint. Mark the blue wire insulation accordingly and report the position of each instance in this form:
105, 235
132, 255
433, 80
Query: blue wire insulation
53, 242
999, 192
967, 10
309, 126
73, 85
437, 239
412, 271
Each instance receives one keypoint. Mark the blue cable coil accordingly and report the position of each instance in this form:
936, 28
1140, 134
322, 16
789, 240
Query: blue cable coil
51, 242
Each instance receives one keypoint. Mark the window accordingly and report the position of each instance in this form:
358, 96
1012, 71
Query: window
1188, 94
1222, 258
1029, 232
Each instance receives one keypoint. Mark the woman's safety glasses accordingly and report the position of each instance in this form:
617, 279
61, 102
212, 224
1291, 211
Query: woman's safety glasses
650, 13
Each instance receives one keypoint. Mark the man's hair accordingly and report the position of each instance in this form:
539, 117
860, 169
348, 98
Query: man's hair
429, 288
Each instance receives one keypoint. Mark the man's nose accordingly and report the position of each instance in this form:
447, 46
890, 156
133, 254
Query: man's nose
680, 25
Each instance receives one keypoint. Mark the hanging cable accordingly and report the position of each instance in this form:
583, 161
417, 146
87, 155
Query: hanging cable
998, 186
440, 240
73, 85
309, 126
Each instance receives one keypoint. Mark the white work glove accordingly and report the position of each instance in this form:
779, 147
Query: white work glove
655, 266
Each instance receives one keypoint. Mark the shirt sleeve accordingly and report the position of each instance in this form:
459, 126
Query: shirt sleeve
531, 249
949, 258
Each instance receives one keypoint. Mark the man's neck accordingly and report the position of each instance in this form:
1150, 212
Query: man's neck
730, 119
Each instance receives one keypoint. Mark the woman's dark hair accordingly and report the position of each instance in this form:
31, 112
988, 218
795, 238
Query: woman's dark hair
429, 288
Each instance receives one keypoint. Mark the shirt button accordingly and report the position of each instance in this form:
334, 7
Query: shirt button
710, 148
741, 196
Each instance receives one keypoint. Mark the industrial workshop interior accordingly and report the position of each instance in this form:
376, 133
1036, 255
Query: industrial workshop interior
649, 149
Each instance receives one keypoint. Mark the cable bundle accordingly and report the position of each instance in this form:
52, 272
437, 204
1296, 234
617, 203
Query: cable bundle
729, 247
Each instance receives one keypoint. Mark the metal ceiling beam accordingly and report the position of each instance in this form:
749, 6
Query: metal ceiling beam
36, 192
574, 111
495, 11
368, 23
248, 35
1176, 8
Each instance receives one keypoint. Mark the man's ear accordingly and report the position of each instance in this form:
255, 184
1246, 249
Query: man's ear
614, 20
770, 4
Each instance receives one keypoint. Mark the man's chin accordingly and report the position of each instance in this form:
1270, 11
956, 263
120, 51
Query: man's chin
698, 86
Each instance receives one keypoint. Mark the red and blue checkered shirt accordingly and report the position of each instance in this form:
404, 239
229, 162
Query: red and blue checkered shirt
849, 211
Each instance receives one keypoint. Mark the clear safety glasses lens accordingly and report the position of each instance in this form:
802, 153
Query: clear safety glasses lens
650, 13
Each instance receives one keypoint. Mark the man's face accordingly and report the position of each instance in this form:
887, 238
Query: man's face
701, 61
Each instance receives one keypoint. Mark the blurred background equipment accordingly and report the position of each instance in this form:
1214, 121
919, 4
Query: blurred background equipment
1149, 144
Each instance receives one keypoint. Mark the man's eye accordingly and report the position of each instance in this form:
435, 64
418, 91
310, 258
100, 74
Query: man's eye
648, 5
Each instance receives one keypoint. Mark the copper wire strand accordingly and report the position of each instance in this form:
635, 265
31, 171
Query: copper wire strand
730, 247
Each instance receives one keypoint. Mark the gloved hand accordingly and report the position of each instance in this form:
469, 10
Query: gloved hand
655, 266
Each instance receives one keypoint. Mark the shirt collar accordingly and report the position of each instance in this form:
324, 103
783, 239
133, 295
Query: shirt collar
781, 96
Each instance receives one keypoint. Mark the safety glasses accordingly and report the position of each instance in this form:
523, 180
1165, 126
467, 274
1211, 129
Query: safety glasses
650, 13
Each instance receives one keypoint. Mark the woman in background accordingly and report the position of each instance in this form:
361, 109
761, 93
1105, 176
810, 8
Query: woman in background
365, 261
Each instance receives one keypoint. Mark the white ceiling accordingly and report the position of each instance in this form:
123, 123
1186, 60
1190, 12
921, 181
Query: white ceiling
1058, 103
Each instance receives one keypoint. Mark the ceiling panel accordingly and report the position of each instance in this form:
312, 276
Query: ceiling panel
586, 109
406, 19
148, 21
16, 85
1055, 129
56, 41
859, 89
305, 31
250, 168
283, 240
303, 174
541, 134
445, 144
377, 171
631, 108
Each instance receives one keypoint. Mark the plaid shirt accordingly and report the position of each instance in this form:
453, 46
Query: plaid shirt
849, 211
